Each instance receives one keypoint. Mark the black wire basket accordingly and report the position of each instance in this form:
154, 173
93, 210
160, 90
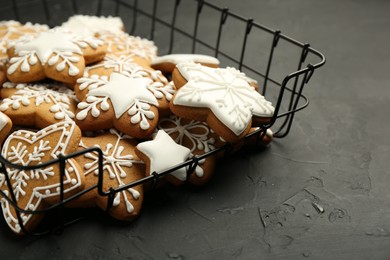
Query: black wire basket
281, 65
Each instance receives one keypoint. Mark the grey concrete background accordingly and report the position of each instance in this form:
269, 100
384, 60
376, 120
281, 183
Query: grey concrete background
320, 193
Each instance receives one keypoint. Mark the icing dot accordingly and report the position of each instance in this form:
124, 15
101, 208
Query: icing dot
47, 192
110, 159
70, 169
74, 181
31, 206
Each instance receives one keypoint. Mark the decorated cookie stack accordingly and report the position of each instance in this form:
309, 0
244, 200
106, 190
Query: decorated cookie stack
66, 89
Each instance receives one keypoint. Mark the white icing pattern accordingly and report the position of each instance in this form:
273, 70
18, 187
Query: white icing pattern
125, 44
58, 95
46, 177
10, 31
125, 65
196, 132
164, 153
126, 95
89, 25
199, 140
115, 158
179, 58
50, 47
225, 91
3, 120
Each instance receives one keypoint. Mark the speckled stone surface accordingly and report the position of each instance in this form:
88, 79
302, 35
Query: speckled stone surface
320, 193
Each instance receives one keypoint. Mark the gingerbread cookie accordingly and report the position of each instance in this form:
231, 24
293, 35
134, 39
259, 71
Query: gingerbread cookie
36, 189
3, 74
121, 166
117, 101
259, 138
167, 63
129, 66
197, 137
38, 105
5, 126
90, 25
125, 44
221, 97
10, 31
163, 153
55, 54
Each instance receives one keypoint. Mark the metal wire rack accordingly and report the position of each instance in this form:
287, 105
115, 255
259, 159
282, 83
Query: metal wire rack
285, 89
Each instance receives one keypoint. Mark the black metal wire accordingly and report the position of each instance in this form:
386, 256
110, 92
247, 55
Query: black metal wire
224, 16
194, 36
302, 75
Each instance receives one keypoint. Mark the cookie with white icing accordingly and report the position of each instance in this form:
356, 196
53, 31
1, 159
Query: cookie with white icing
10, 31
222, 97
124, 44
167, 63
56, 54
197, 137
37, 189
117, 101
130, 66
90, 25
5, 126
121, 166
163, 153
38, 105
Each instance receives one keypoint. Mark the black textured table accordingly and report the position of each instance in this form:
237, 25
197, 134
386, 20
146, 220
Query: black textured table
320, 193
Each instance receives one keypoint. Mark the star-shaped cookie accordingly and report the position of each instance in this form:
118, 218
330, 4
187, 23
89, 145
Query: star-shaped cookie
130, 66
163, 153
222, 97
197, 137
5, 126
117, 101
38, 104
55, 54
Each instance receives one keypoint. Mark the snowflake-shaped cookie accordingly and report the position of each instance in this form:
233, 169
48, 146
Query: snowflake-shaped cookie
130, 67
121, 43
197, 137
120, 167
38, 105
36, 189
222, 97
56, 54
117, 101
163, 153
